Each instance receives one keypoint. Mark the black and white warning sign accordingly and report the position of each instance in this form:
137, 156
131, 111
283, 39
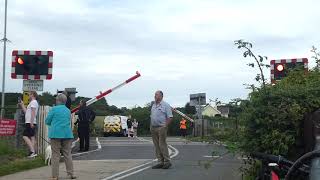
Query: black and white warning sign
32, 85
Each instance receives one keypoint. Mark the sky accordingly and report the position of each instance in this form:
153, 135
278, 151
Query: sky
179, 46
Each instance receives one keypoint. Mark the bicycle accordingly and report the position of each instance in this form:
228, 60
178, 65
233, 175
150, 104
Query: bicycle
277, 167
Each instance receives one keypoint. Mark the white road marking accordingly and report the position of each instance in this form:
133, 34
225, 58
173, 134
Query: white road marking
132, 173
122, 172
115, 160
176, 152
211, 156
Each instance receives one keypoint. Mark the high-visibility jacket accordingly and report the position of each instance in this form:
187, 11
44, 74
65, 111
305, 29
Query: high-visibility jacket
183, 124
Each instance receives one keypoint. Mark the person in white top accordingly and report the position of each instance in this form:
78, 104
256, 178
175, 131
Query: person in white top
30, 122
135, 125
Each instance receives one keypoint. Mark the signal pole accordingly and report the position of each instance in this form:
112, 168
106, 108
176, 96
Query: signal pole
4, 59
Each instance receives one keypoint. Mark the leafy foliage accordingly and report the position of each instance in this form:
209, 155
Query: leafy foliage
273, 121
259, 60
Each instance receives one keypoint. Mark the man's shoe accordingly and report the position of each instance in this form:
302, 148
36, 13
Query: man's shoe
166, 165
157, 166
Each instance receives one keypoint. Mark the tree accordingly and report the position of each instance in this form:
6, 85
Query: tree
259, 62
316, 56
190, 109
47, 99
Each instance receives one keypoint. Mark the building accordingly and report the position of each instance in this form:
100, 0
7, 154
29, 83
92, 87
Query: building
213, 111
225, 110
210, 111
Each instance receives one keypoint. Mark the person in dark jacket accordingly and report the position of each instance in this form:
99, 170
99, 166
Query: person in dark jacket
68, 103
129, 124
85, 116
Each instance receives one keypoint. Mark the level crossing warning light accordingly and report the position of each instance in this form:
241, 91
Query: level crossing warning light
32, 65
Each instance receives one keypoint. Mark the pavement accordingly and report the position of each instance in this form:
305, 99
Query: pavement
131, 158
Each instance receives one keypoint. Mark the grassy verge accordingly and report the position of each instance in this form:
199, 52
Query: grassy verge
12, 160
19, 165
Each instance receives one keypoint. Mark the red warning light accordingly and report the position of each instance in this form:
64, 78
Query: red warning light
280, 67
20, 61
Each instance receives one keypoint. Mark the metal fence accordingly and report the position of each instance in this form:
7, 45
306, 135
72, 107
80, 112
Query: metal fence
214, 126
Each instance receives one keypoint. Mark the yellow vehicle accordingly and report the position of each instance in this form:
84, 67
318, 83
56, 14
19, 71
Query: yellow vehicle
115, 125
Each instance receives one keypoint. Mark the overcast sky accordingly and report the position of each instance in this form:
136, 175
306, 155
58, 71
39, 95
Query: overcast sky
178, 46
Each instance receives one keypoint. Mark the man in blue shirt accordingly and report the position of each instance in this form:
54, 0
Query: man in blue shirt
161, 117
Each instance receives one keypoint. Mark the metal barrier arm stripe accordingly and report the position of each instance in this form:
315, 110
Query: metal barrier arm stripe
101, 95
183, 115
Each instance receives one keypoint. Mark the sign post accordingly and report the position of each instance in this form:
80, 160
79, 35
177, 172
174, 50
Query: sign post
198, 100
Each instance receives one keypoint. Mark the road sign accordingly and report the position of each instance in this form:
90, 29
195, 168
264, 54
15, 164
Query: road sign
25, 98
32, 85
8, 127
33, 65
280, 68
198, 99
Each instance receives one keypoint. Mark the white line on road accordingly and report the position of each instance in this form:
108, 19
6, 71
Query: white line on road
176, 152
211, 156
122, 172
132, 173
98, 149
115, 160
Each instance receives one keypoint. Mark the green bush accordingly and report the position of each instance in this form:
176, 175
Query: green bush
273, 116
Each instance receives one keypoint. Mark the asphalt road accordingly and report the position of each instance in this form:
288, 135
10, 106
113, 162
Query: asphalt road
191, 161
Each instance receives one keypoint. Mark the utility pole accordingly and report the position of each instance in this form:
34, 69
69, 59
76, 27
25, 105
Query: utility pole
4, 60
200, 119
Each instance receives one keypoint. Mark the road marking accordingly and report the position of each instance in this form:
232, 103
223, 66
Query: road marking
98, 149
132, 173
242, 158
122, 172
176, 152
98, 143
211, 156
115, 160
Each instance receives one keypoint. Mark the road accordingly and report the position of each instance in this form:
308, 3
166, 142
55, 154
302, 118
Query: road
191, 161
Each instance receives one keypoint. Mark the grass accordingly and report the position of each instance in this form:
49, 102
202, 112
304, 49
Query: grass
228, 139
12, 160
19, 165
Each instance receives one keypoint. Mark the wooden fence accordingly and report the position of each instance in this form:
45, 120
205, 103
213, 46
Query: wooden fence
42, 133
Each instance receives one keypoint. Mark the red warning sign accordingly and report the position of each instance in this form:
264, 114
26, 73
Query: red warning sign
8, 127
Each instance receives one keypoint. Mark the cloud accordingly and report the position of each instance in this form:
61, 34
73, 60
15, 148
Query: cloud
180, 46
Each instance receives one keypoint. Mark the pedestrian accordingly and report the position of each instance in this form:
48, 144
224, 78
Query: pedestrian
129, 124
135, 125
60, 134
183, 127
30, 122
161, 117
85, 116
68, 103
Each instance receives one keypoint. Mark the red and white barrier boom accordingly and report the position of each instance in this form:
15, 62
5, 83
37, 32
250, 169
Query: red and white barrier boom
183, 115
103, 94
